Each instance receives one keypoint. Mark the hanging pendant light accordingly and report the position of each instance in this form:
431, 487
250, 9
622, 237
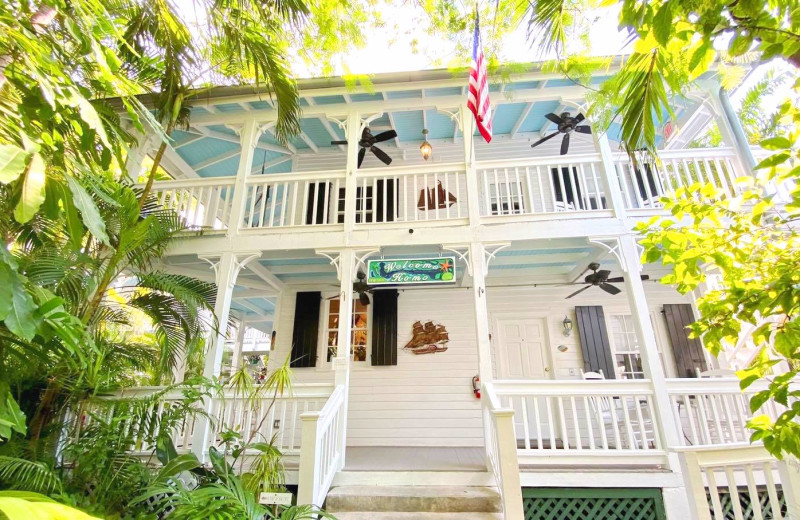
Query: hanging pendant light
426, 149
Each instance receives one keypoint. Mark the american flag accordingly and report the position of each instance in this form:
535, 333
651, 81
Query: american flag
478, 96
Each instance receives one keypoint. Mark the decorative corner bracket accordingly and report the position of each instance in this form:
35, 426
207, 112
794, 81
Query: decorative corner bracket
238, 265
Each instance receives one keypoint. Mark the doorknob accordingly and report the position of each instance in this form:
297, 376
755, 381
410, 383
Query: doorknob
547, 369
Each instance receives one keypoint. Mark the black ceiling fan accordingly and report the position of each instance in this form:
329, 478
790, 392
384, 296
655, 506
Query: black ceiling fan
367, 142
362, 288
566, 124
600, 279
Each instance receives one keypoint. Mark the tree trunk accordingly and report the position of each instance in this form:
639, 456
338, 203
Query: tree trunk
156, 162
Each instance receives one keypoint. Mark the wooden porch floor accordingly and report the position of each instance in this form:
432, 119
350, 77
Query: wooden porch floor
414, 459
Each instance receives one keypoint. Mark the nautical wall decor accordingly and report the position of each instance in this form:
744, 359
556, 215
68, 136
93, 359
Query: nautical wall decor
427, 339
412, 271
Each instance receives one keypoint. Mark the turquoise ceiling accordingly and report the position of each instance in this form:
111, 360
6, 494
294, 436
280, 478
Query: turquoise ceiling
212, 151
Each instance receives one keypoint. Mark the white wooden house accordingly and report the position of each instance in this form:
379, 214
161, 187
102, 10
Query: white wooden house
290, 227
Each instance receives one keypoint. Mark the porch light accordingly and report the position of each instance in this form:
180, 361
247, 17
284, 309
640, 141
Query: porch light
567, 323
425, 148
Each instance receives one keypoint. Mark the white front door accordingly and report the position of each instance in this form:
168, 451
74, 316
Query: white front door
522, 353
522, 349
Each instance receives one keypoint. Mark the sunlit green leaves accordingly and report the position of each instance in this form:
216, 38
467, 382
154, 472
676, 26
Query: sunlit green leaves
12, 162
31, 190
88, 209
11, 417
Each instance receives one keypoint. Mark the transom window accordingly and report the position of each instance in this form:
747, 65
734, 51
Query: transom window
627, 358
360, 330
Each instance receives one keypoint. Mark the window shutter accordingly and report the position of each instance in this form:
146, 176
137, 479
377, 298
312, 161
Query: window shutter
567, 185
385, 200
652, 189
594, 341
306, 329
318, 194
384, 327
689, 355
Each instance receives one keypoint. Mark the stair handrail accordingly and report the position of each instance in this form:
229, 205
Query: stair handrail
321, 449
502, 453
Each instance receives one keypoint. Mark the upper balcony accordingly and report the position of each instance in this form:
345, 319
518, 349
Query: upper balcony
312, 184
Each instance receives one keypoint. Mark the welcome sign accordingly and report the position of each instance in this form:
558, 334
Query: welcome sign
406, 271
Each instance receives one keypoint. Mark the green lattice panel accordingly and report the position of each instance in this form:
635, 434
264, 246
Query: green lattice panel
592, 504
747, 506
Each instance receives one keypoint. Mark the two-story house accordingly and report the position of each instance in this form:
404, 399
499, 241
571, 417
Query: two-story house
472, 331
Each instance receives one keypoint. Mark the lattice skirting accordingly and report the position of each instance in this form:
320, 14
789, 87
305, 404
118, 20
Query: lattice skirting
747, 506
592, 504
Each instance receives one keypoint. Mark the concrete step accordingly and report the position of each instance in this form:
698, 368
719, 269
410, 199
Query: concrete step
372, 515
413, 499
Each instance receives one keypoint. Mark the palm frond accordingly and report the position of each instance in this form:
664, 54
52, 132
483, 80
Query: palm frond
29, 475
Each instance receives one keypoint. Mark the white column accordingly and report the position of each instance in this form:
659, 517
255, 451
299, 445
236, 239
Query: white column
341, 364
477, 258
473, 186
611, 186
226, 271
648, 348
136, 155
238, 345
248, 139
789, 471
353, 134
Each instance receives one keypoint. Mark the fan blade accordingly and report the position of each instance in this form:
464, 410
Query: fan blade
583, 129
565, 144
577, 292
361, 154
363, 298
616, 280
338, 142
579, 118
543, 139
610, 289
554, 118
645, 277
385, 136
380, 154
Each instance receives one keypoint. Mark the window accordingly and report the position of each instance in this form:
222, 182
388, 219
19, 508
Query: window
360, 331
505, 197
625, 346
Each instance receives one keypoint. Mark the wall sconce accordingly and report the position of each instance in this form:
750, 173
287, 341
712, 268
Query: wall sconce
567, 323
426, 149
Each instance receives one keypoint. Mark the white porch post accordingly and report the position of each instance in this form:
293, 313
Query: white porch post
609, 175
249, 135
668, 428
341, 364
353, 134
136, 155
238, 346
473, 186
730, 127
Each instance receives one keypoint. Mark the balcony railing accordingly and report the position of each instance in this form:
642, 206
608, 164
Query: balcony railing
570, 186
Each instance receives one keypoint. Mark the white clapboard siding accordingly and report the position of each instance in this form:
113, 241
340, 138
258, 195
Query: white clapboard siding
427, 400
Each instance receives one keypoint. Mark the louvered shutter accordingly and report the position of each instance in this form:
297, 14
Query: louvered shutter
566, 185
688, 352
317, 203
384, 327
385, 200
306, 329
594, 341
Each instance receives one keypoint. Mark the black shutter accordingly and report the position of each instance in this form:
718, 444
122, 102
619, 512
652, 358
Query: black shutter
306, 329
594, 341
384, 327
689, 355
319, 201
651, 178
387, 200
563, 177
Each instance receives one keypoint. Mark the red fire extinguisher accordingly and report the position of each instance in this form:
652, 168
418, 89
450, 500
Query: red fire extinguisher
476, 386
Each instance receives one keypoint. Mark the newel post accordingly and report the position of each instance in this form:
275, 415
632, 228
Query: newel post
308, 471
509, 464
248, 137
611, 185
789, 471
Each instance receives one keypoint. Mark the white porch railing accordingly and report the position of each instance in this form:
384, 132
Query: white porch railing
419, 193
261, 419
714, 411
501, 452
740, 482
295, 199
583, 422
542, 185
201, 203
323, 456
642, 185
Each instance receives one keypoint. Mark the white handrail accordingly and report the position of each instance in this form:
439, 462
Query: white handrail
323, 454
502, 453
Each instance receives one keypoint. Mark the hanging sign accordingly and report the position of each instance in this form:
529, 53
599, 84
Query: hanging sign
407, 271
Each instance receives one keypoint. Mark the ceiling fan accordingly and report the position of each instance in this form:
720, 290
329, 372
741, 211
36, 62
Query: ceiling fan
367, 142
361, 287
600, 279
566, 124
